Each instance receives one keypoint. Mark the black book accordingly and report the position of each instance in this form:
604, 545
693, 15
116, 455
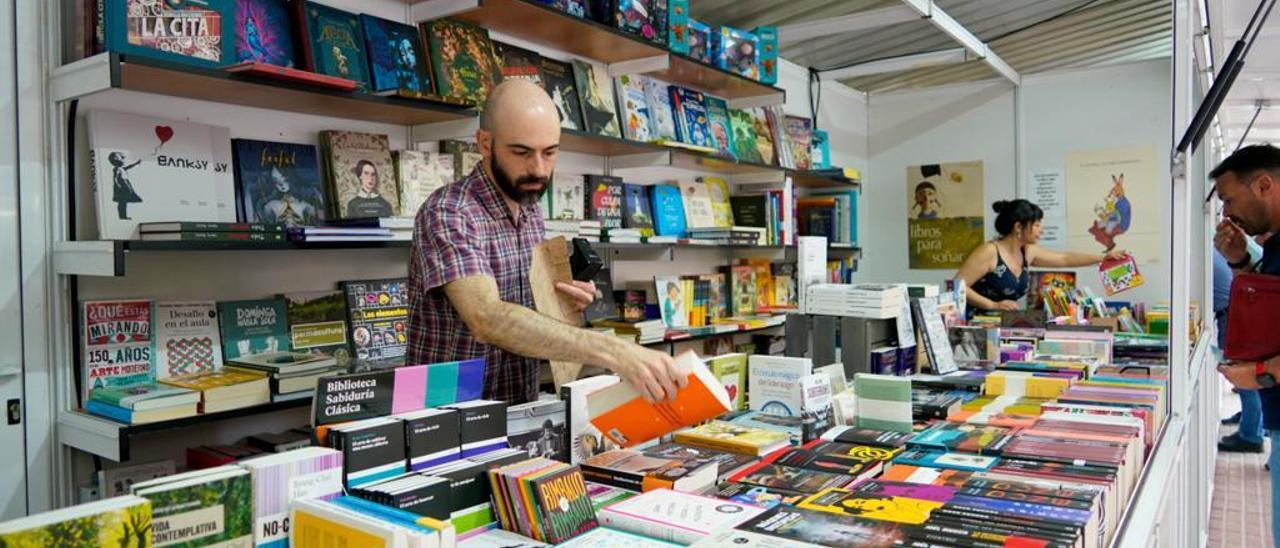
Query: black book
422, 495
431, 437
378, 320
468, 486
868, 436
281, 442
726, 463
519, 63
372, 450
558, 80
482, 426
750, 210
604, 308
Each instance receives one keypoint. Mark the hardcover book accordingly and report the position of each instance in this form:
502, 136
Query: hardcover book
658, 98
558, 80
636, 17
264, 33
361, 174
745, 148
595, 92
463, 59
318, 324
668, 210
152, 169
466, 155
397, 60
717, 191
519, 63
698, 209
678, 26
567, 196
691, 117
118, 344
717, 298
718, 120
333, 43
200, 34
279, 183
187, 338
253, 327
636, 212
605, 205
800, 133
202, 508
378, 316
637, 118
419, 174
734, 438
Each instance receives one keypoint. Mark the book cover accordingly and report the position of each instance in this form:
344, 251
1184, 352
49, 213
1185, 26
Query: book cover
953, 461
278, 183
397, 60
585, 439
671, 301
558, 80
637, 118
691, 117
462, 58
661, 114
604, 307
742, 289
151, 169
623, 415
800, 131
253, 327
1120, 275
361, 174
738, 51
787, 480
726, 463
466, 155
335, 42
721, 209
701, 38
678, 26
519, 63
197, 34
717, 297
539, 428
118, 344
567, 196
595, 93
372, 450
419, 174
482, 426
789, 527
605, 200
431, 436
202, 511
768, 36
564, 506
668, 211
632, 302
142, 397
765, 142
264, 33
742, 126
636, 211
673, 516
698, 209
731, 369
636, 17
774, 383
187, 339
318, 324
118, 521
815, 402
378, 316
1043, 282
882, 507
733, 438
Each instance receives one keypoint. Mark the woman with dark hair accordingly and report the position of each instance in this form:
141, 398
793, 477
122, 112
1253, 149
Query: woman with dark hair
367, 202
996, 272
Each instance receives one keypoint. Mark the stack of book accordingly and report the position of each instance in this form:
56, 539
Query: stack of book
644, 332
224, 390
568, 228
590, 230
372, 449
211, 232
401, 227
143, 403
542, 499
874, 301
292, 375
734, 438
622, 236
637, 471
731, 235
424, 496
320, 234
352, 521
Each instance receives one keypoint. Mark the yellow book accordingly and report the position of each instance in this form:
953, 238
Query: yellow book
448, 535
316, 525
225, 389
879, 506
718, 189
734, 438
1017, 383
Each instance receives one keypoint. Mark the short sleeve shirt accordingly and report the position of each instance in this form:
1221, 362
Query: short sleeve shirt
465, 229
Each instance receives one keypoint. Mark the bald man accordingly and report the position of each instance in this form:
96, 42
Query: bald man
469, 274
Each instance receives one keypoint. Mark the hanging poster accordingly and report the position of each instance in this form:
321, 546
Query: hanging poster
1046, 189
945, 207
1113, 202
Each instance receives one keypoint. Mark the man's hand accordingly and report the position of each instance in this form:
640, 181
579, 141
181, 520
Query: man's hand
584, 293
652, 373
1007, 305
1230, 241
1240, 375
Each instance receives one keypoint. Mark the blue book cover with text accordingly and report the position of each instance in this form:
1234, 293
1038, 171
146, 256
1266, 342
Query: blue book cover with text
692, 117
668, 211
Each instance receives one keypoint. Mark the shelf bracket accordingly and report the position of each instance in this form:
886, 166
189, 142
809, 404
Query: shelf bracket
640, 66
436, 9
81, 78
88, 258
453, 129
758, 101
92, 435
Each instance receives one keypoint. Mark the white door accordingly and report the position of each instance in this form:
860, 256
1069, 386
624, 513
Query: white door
13, 477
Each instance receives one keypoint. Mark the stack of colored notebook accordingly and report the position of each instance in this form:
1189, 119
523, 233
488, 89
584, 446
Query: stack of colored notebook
542, 499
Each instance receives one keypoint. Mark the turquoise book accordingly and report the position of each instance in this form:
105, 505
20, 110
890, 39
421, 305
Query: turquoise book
253, 327
209, 507
333, 43
668, 211
200, 34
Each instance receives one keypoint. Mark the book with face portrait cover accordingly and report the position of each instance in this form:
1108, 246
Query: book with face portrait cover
361, 174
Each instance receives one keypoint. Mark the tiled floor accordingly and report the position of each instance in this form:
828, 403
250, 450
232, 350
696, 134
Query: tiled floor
1241, 514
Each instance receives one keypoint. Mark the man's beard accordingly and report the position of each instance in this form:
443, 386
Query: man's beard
513, 189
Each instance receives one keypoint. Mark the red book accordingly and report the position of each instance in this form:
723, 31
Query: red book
292, 75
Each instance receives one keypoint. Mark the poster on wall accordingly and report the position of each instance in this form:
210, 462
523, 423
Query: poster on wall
1113, 202
945, 207
1046, 189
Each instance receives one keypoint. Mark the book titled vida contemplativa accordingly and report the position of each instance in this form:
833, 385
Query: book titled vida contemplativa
149, 169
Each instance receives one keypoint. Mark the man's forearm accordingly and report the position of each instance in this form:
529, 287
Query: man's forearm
525, 332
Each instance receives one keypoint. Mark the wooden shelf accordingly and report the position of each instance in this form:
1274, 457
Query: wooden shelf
112, 440
572, 140
546, 26
114, 71
808, 179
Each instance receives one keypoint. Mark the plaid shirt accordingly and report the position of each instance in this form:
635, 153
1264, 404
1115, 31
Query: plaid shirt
466, 229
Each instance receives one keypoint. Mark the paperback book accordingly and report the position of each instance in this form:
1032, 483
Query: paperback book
201, 508
318, 324
604, 200
658, 98
378, 315
636, 210
668, 211
118, 344
187, 339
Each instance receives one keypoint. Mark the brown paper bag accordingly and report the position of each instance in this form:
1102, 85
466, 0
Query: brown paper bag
549, 265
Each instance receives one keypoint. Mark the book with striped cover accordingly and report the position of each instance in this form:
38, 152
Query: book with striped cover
310, 472
884, 402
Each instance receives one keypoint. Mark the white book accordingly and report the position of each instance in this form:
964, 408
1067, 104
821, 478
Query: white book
658, 96
811, 266
584, 439
419, 174
567, 198
774, 384
698, 212
682, 518
187, 338
498, 538
150, 169
310, 519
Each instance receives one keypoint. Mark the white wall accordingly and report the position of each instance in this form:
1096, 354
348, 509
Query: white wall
1060, 113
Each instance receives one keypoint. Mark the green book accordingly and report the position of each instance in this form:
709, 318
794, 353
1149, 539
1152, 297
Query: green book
744, 136
884, 402
731, 369
463, 59
143, 397
253, 327
318, 324
117, 521
210, 507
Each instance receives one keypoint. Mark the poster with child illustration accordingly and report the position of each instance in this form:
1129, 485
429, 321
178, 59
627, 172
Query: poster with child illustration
945, 207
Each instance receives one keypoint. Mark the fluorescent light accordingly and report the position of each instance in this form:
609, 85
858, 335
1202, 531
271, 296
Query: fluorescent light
863, 20
894, 64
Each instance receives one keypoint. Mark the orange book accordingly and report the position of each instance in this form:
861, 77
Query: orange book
925, 476
623, 416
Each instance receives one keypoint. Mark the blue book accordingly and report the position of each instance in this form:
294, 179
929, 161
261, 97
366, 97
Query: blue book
118, 414
334, 44
1019, 508
199, 34
718, 121
953, 461
768, 36
691, 117
700, 41
397, 60
668, 211
263, 33
383, 512
278, 183
636, 210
